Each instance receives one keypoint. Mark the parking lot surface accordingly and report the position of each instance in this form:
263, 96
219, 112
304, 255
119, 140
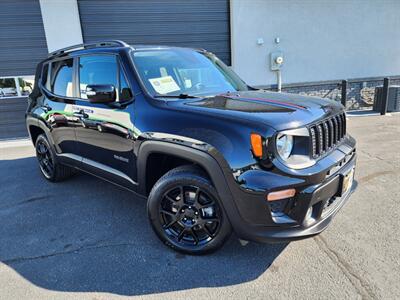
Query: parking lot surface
85, 238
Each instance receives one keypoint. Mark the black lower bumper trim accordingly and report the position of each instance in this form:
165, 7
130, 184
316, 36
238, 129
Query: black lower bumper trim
319, 194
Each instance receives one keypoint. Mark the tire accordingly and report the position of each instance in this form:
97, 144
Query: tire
49, 167
186, 213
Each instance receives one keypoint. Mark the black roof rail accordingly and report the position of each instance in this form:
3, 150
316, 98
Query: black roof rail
111, 43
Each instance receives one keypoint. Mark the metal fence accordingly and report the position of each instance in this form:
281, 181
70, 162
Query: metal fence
359, 93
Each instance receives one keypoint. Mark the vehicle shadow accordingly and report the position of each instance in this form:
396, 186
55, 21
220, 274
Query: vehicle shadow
86, 235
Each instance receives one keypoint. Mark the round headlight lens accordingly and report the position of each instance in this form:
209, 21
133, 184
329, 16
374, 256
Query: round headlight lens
284, 145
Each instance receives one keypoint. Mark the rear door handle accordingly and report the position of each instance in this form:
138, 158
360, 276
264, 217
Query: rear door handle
46, 108
81, 114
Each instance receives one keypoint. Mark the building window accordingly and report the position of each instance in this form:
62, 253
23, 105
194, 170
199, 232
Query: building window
11, 87
26, 85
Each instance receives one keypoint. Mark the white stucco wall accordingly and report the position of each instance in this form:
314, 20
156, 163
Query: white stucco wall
61, 22
320, 39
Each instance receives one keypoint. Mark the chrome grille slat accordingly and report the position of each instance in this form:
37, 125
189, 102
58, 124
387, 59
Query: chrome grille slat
313, 142
339, 127
343, 116
320, 139
335, 129
331, 133
325, 135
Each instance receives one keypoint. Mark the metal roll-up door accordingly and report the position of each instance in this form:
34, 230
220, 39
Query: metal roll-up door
12, 118
22, 38
190, 23
22, 46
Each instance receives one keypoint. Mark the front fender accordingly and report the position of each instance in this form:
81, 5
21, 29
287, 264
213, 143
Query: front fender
240, 205
201, 157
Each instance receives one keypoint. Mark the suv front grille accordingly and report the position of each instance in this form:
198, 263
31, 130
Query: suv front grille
327, 134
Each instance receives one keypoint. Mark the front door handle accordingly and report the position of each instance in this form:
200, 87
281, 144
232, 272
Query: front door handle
81, 114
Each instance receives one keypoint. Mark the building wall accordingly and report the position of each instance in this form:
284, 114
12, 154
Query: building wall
61, 23
187, 23
22, 37
320, 40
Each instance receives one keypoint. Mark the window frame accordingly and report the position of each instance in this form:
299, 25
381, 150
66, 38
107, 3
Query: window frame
76, 79
47, 87
50, 74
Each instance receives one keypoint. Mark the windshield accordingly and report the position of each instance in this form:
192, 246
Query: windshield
175, 72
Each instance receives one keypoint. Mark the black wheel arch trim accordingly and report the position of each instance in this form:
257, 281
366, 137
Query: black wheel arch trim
33, 121
203, 159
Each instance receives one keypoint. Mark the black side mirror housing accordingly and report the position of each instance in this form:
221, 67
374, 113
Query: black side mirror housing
101, 93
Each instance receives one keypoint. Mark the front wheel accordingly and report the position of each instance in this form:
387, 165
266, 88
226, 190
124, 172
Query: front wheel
185, 212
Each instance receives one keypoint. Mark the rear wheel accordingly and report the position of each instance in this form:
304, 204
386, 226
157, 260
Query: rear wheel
50, 168
185, 212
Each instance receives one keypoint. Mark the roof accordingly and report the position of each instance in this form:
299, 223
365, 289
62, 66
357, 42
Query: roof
111, 44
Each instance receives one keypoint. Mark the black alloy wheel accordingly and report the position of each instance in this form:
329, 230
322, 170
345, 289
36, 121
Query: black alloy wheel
189, 215
50, 168
45, 158
186, 213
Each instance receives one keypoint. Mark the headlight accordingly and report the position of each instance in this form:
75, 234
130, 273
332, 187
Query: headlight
284, 145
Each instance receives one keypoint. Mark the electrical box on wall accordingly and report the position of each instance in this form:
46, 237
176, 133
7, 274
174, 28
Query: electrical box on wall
276, 61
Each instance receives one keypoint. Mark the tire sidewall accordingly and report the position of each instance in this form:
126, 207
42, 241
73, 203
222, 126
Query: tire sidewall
42, 138
187, 179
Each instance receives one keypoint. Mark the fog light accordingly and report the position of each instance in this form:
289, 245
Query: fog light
309, 217
284, 194
309, 213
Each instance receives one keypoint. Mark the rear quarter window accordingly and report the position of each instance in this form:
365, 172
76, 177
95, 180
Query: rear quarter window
45, 76
61, 77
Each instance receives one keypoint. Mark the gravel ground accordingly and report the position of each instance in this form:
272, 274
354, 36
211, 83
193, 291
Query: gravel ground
87, 239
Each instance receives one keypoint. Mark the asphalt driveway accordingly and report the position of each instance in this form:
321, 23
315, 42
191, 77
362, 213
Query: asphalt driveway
85, 238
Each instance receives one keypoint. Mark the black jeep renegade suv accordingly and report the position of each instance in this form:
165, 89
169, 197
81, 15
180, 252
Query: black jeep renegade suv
211, 154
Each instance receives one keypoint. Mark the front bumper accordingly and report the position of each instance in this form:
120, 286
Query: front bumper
324, 200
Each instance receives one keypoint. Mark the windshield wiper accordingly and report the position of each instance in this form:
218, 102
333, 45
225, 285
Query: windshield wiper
180, 96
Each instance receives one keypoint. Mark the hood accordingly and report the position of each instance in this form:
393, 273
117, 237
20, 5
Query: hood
278, 110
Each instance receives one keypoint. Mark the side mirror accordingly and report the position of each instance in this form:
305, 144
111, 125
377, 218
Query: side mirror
101, 93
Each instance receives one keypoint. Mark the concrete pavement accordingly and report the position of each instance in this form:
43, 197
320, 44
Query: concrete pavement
87, 239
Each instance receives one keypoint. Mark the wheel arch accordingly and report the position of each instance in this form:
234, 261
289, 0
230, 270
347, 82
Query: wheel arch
34, 132
187, 155
36, 127
194, 156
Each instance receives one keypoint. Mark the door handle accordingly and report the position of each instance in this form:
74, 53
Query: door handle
81, 114
46, 108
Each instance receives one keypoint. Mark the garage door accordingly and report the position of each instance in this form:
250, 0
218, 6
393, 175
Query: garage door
22, 39
22, 46
191, 23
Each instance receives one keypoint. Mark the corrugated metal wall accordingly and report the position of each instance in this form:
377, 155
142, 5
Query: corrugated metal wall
191, 23
22, 38
12, 118
22, 46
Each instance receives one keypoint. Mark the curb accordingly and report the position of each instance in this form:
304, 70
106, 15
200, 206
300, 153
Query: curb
15, 143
